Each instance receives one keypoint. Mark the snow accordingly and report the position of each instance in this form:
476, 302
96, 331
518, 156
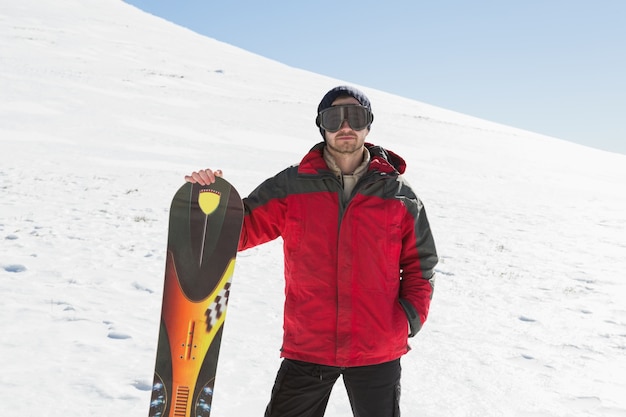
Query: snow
104, 109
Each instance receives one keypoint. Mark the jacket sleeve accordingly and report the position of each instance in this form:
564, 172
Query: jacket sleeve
264, 213
417, 263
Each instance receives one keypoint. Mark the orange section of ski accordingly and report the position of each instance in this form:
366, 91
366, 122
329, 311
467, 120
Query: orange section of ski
190, 335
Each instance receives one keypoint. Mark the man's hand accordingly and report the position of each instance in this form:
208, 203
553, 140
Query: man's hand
204, 176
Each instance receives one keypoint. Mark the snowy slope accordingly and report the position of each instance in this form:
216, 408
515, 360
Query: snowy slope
104, 108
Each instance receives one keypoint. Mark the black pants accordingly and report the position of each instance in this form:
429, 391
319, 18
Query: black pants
302, 389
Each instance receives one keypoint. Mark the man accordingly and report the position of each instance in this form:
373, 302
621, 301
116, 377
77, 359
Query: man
359, 262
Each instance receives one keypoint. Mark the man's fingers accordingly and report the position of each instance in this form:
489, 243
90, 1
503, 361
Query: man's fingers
203, 177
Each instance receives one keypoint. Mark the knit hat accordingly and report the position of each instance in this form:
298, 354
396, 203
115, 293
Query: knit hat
342, 91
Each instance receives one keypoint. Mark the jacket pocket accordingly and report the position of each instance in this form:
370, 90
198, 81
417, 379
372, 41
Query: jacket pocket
415, 324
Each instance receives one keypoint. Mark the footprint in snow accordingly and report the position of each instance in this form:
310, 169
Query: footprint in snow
140, 287
14, 268
142, 385
118, 336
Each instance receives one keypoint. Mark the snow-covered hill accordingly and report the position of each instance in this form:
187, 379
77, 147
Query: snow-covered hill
104, 108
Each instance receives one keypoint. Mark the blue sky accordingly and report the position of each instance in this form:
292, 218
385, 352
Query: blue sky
555, 67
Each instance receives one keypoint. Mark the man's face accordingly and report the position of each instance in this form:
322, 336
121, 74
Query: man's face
346, 140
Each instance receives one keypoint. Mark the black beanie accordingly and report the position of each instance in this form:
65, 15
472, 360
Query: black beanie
342, 91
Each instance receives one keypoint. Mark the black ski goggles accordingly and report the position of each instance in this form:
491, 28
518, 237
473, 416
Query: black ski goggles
331, 119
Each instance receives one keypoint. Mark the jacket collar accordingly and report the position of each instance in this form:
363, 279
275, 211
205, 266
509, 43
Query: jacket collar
381, 160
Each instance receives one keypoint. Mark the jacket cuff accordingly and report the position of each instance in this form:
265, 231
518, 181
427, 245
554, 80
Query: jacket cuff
415, 324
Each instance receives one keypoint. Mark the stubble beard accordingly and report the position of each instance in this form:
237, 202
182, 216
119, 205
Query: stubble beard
345, 147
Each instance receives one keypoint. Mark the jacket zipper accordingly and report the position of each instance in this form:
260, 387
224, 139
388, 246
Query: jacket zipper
343, 207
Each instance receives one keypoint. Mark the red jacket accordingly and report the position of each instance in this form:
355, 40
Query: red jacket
356, 275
